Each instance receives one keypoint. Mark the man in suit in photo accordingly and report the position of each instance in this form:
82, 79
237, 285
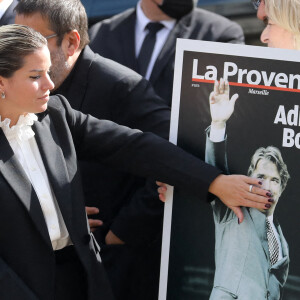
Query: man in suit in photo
144, 38
252, 258
7, 14
255, 252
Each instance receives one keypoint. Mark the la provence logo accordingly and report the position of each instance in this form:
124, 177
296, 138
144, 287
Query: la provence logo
253, 79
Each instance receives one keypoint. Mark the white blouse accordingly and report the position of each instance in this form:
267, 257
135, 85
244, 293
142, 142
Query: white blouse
21, 139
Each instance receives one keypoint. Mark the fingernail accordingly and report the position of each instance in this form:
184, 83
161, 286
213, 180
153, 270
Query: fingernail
260, 182
238, 221
267, 205
271, 200
269, 194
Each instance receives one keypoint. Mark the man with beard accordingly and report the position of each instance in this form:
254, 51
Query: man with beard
144, 38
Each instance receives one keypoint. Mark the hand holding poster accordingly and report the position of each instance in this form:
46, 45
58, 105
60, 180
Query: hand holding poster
237, 107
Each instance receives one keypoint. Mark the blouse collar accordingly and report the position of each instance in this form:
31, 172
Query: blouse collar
22, 131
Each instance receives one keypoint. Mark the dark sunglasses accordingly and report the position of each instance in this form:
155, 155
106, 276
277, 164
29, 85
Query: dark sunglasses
256, 3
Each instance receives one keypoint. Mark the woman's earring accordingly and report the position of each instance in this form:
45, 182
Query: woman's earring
3, 95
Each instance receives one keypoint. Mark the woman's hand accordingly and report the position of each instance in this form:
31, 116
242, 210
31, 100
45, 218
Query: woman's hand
239, 190
234, 191
162, 190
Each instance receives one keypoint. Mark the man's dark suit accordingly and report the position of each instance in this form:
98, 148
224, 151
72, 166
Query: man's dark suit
63, 135
115, 39
9, 15
107, 90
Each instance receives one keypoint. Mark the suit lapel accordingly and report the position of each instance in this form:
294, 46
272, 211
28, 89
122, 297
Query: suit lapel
259, 221
6, 18
181, 30
281, 267
52, 155
284, 244
16, 177
128, 42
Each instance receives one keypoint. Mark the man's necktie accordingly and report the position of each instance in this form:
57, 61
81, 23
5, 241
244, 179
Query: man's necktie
147, 47
273, 244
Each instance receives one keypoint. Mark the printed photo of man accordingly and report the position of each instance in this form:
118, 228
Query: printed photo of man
252, 257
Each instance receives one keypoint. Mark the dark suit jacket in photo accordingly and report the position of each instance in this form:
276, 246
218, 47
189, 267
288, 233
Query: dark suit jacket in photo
114, 38
9, 15
27, 263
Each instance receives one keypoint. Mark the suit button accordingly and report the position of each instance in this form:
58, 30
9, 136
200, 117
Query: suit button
86, 239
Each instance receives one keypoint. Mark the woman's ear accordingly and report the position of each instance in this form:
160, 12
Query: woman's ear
2, 88
2, 84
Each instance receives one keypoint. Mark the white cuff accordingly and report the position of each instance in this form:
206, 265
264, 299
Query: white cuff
217, 135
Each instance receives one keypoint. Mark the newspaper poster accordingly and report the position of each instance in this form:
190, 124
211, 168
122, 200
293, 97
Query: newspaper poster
236, 107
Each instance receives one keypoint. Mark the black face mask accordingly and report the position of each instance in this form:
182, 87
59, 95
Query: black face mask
177, 8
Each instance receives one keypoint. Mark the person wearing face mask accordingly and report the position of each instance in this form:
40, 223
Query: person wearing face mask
144, 38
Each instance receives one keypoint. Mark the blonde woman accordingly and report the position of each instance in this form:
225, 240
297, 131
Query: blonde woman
282, 24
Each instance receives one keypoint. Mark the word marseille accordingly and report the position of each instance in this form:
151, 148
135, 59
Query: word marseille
290, 118
256, 92
253, 77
